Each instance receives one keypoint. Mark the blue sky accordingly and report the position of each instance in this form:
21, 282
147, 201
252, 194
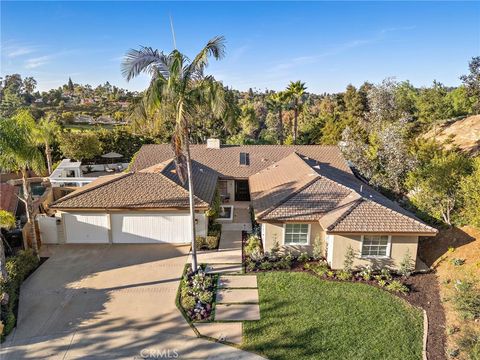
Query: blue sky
326, 44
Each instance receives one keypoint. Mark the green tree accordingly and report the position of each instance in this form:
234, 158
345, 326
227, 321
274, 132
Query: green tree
249, 120
181, 83
461, 102
295, 92
45, 134
435, 187
472, 82
433, 104
79, 145
276, 104
470, 192
19, 153
7, 221
70, 86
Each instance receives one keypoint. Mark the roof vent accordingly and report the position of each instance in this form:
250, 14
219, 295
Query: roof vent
244, 158
213, 143
361, 188
316, 166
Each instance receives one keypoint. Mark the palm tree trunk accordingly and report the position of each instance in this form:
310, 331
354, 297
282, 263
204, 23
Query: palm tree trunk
191, 203
280, 126
295, 122
27, 196
48, 153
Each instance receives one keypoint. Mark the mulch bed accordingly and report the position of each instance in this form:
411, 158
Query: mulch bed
425, 294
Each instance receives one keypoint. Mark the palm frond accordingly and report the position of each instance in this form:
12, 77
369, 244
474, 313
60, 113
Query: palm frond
146, 60
215, 47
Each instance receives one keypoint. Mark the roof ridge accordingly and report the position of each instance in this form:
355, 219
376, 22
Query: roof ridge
180, 186
355, 204
75, 193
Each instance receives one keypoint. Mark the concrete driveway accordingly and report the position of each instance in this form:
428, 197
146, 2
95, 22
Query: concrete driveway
107, 301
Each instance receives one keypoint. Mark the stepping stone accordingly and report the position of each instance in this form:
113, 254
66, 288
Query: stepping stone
231, 296
224, 269
237, 312
238, 281
231, 332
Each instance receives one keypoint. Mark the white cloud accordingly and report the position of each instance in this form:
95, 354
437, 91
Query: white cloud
36, 62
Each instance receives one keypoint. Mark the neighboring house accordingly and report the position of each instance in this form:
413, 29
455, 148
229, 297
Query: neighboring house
297, 193
9, 198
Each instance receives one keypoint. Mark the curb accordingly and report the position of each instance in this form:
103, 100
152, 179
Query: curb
425, 335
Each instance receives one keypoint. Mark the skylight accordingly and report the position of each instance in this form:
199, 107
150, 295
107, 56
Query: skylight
244, 158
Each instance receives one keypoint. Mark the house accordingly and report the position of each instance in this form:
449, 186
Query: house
298, 195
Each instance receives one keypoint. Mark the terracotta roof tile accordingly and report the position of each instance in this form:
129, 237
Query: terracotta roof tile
8, 197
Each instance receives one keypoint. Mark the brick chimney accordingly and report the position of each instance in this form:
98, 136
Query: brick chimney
213, 143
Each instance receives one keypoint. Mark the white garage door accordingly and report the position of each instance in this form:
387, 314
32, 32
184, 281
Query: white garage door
150, 228
86, 228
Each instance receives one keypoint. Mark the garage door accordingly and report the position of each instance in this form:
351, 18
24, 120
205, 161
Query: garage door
150, 228
86, 228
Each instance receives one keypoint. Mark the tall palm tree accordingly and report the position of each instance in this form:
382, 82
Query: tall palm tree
276, 103
295, 91
19, 153
45, 134
182, 83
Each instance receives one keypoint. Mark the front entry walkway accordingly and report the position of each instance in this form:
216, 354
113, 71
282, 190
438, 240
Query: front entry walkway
237, 295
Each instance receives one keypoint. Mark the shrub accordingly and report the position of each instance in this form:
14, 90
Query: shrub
457, 262
253, 246
366, 273
214, 229
304, 257
206, 297
317, 248
18, 268
385, 273
331, 274
397, 286
211, 242
344, 275
274, 251
348, 260
320, 269
467, 299
406, 265
382, 283
266, 265
250, 265
188, 302
199, 242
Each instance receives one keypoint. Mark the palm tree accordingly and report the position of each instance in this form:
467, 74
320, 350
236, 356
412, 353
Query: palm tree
7, 221
276, 103
19, 153
295, 91
181, 83
45, 134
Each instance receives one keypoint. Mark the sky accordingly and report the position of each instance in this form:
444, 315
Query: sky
328, 45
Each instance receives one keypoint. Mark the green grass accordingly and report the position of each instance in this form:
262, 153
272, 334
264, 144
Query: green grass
303, 317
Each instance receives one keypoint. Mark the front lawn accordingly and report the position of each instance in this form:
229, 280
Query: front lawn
304, 317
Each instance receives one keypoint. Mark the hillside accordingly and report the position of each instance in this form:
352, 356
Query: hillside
465, 133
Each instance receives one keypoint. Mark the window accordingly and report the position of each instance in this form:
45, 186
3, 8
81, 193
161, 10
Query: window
244, 158
376, 246
296, 233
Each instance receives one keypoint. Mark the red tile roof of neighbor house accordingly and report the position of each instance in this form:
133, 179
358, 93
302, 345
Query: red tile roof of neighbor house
8, 197
287, 183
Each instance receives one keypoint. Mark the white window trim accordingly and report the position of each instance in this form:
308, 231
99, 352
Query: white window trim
297, 244
389, 248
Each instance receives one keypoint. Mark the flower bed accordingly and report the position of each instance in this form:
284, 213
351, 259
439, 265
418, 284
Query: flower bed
212, 240
197, 294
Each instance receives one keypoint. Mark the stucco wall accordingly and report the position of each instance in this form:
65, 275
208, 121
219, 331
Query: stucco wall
399, 246
274, 232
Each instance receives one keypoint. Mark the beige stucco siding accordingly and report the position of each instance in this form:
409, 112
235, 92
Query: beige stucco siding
399, 246
274, 232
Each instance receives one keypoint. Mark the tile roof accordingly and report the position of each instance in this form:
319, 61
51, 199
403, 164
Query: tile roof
226, 160
130, 190
335, 198
368, 216
8, 197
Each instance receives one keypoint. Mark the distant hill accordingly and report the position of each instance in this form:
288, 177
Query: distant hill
464, 133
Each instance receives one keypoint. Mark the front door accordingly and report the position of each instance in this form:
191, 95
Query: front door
242, 191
